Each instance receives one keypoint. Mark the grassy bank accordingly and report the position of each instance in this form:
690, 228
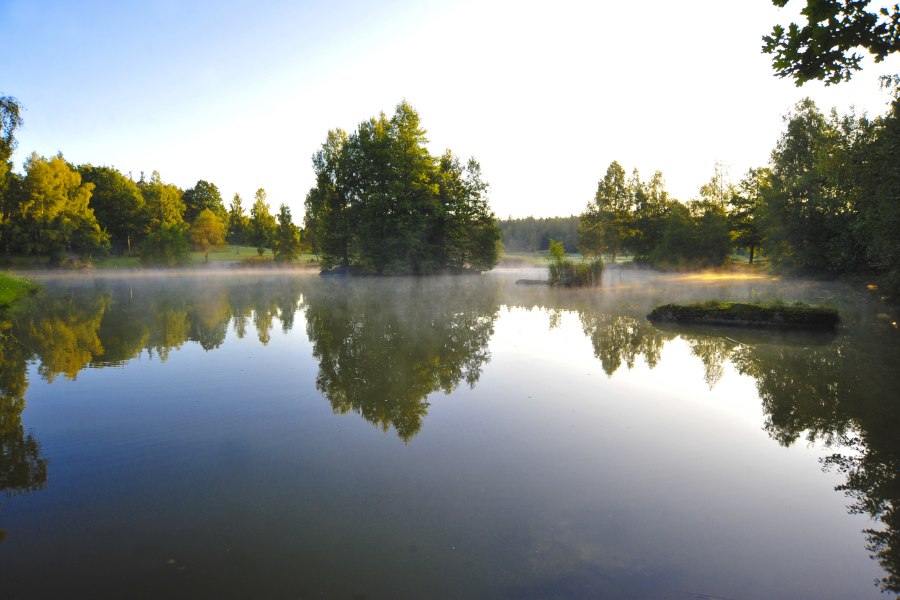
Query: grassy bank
220, 256
776, 315
13, 288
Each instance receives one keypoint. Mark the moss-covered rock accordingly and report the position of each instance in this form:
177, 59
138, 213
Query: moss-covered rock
777, 315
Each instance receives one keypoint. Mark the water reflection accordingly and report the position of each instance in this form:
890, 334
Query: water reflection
383, 348
382, 351
22, 468
824, 388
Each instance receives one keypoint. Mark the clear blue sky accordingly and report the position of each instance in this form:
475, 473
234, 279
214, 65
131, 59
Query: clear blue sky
543, 94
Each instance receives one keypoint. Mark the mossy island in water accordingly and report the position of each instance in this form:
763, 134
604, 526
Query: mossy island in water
776, 315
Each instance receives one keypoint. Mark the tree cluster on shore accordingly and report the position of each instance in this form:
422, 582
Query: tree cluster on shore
383, 204
57, 210
826, 204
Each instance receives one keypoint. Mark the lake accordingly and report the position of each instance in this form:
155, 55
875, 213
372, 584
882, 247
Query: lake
237, 435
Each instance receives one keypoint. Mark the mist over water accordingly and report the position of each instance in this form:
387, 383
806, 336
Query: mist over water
223, 434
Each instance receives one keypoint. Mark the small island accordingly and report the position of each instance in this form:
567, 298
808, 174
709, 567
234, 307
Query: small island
738, 314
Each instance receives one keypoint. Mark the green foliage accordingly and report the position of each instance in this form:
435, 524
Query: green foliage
118, 206
50, 212
163, 203
534, 235
207, 231
816, 194
286, 243
606, 224
745, 214
167, 246
261, 223
203, 196
569, 273
10, 121
383, 204
13, 288
825, 48
238, 223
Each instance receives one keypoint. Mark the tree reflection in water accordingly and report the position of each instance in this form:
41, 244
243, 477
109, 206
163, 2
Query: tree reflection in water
384, 347
829, 389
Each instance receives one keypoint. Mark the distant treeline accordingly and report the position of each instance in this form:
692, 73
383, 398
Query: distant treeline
534, 235
60, 210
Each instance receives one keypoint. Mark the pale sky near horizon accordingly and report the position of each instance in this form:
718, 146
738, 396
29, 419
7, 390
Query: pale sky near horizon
544, 95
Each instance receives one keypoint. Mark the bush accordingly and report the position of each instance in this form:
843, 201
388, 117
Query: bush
564, 271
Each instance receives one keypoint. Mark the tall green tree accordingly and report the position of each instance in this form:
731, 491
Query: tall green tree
10, 121
464, 231
651, 208
814, 199
745, 210
606, 224
238, 223
118, 205
828, 46
52, 213
163, 203
327, 218
286, 243
204, 195
262, 223
719, 189
207, 231
383, 204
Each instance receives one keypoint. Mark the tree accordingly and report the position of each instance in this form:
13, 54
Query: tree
163, 203
167, 246
744, 216
606, 224
51, 212
383, 204
651, 208
286, 242
262, 223
204, 195
118, 205
718, 190
327, 216
810, 209
237, 223
10, 120
826, 47
464, 231
207, 231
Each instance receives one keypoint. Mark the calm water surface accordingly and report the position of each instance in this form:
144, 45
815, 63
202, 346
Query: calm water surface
225, 436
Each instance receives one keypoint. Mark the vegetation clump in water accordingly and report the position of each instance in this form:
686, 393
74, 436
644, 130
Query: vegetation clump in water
567, 272
778, 314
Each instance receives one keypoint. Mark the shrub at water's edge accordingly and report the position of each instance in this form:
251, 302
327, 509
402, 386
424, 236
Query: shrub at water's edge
13, 289
748, 315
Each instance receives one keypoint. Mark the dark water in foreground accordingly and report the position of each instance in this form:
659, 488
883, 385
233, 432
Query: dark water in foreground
250, 436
